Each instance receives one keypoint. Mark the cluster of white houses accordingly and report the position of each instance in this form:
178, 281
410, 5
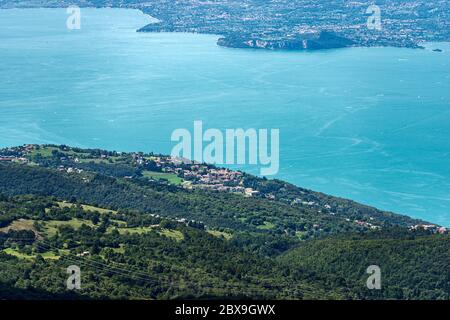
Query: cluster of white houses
198, 176
430, 227
12, 159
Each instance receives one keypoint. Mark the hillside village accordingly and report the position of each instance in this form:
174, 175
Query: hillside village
157, 168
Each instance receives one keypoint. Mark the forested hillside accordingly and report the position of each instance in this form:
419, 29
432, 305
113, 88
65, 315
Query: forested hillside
413, 266
138, 228
131, 256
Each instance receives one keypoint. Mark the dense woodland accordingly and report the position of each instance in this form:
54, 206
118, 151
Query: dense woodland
414, 265
135, 238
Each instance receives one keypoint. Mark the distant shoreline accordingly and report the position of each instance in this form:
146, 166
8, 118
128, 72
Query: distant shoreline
307, 42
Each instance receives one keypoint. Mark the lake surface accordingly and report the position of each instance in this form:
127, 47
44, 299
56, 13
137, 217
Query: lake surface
369, 124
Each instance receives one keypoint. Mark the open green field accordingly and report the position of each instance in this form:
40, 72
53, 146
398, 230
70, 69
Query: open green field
135, 230
171, 177
86, 207
266, 226
301, 234
83, 157
173, 234
89, 160
121, 249
49, 255
21, 224
46, 152
120, 223
112, 159
51, 227
219, 234
17, 254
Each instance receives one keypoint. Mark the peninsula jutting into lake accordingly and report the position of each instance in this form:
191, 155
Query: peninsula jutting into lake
287, 24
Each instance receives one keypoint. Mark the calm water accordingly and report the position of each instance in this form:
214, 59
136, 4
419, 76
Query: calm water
367, 124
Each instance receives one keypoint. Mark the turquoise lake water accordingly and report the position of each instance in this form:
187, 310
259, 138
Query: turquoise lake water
369, 124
